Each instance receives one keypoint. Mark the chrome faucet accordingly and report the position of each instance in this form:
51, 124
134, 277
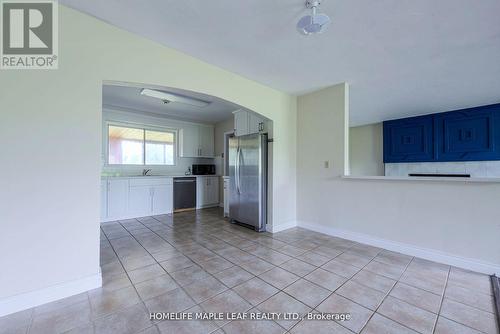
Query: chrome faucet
145, 172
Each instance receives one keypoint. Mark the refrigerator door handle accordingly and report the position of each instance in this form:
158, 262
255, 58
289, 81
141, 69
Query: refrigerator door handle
237, 170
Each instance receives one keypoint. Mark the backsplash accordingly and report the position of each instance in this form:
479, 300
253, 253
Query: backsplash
474, 168
179, 169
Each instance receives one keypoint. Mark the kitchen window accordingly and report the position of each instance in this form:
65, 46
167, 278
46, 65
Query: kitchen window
129, 145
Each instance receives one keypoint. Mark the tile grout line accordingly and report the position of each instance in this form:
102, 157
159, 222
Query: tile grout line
279, 290
453, 320
196, 303
442, 300
32, 318
236, 265
128, 276
242, 236
126, 271
150, 254
340, 286
90, 306
197, 240
385, 297
156, 261
321, 267
231, 288
363, 268
295, 257
179, 286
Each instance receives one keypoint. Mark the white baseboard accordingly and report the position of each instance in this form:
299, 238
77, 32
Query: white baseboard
46, 295
424, 253
281, 227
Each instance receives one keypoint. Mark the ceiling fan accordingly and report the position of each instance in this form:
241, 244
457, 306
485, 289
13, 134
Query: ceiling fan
314, 23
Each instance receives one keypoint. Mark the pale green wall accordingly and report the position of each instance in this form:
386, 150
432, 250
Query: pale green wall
220, 128
365, 150
51, 130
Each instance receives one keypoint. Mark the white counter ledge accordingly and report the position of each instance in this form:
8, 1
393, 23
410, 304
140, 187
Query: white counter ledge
152, 176
424, 178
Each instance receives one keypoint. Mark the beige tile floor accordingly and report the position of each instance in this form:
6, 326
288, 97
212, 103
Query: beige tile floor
197, 262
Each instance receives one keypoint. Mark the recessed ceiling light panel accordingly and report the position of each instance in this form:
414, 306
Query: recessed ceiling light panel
171, 97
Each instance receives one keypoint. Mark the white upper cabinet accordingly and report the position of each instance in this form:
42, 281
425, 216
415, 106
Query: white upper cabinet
189, 140
246, 123
255, 123
196, 141
240, 123
207, 142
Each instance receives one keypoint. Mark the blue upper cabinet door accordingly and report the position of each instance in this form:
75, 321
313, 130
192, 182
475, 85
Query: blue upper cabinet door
409, 140
468, 135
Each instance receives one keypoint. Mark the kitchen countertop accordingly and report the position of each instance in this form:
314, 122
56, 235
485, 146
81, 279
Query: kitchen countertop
431, 179
152, 176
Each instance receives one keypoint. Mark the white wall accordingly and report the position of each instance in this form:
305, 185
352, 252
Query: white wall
366, 150
220, 129
451, 222
51, 128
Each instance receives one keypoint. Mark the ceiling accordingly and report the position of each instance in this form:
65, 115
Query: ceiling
401, 57
128, 98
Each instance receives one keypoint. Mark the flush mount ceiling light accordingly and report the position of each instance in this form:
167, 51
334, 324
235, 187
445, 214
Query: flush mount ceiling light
314, 23
171, 97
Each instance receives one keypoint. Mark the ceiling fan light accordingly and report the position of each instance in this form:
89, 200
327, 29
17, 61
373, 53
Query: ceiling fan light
314, 23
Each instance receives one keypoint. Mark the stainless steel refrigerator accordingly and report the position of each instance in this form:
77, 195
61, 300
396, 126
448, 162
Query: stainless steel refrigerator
248, 180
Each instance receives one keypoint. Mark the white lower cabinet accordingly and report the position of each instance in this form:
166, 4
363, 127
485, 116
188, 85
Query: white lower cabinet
117, 198
213, 190
136, 197
207, 191
162, 199
140, 201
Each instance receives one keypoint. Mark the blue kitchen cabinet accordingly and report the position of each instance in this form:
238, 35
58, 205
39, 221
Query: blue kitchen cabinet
468, 135
464, 135
409, 139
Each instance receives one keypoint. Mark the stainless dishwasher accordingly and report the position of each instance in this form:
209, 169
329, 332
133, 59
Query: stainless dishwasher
184, 193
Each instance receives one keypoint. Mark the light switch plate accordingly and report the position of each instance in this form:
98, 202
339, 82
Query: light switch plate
327, 164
